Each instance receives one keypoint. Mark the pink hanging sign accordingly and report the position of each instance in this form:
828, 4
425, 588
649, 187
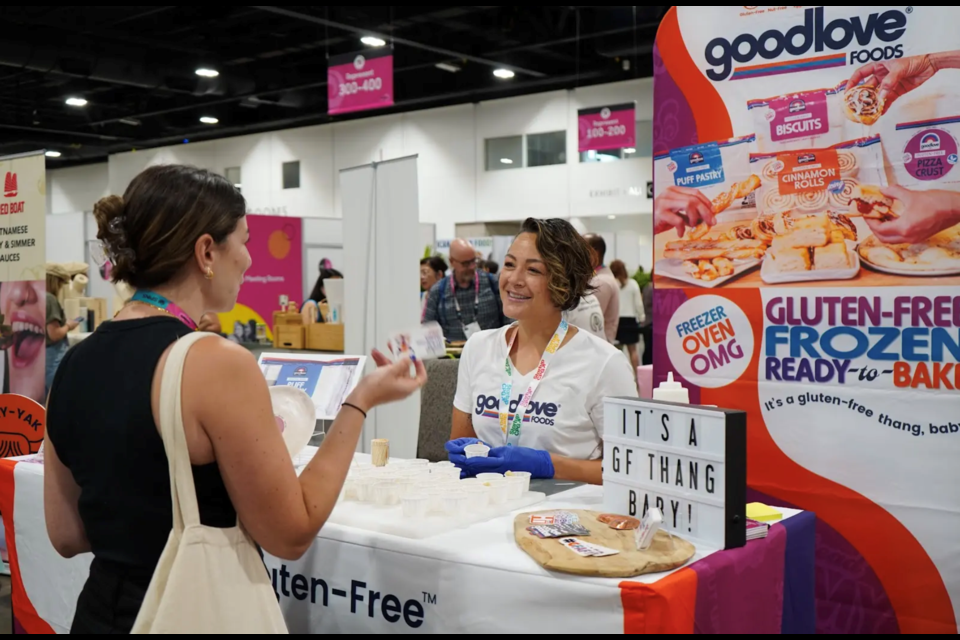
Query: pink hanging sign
360, 81
613, 127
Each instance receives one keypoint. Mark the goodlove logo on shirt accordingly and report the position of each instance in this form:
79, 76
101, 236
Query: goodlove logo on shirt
543, 413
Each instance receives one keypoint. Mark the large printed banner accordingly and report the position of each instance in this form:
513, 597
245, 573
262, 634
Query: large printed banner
360, 81
23, 287
807, 271
276, 248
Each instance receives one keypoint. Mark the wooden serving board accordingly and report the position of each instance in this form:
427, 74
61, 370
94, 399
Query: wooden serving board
664, 555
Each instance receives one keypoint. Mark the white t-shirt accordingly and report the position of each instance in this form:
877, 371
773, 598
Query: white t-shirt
565, 416
588, 316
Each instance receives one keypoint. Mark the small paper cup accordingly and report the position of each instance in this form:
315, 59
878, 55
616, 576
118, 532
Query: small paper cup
478, 496
476, 450
415, 505
386, 494
350, 489
499, 492
487, 477
365, 488
515, 487
455, 504
526, 475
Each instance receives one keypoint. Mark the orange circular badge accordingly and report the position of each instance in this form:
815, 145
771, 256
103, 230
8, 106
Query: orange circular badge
22, 425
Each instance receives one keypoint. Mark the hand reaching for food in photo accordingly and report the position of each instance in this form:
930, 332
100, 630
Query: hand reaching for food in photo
895, 78
681, 207
924, 214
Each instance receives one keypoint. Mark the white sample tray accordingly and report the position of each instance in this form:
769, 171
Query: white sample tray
390, 520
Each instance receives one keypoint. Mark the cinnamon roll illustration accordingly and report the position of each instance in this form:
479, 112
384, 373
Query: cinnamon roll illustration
862, 104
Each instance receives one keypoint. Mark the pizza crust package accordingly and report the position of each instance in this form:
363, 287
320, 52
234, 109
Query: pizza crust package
803, 120
822, 180
720, 170
924, 154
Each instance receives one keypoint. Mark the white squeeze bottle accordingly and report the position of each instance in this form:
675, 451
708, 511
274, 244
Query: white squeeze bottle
671, 391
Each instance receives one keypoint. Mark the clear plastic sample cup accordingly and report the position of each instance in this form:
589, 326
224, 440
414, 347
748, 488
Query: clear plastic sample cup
487, 477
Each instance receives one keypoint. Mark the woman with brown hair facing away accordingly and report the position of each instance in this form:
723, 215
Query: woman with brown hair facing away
178, 237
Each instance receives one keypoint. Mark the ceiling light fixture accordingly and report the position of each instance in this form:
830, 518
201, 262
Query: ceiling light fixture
446, 66
373, 41
76, 102
209, 120
207, 73
630, 151
503, 74
130, 121
53, 154
611, 217
506, 161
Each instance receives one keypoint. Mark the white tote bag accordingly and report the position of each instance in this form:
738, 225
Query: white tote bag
208, 580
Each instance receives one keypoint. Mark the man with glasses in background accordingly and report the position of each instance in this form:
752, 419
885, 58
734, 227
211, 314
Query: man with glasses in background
468, 301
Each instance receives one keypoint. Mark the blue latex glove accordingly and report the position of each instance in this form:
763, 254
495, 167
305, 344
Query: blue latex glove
503, 459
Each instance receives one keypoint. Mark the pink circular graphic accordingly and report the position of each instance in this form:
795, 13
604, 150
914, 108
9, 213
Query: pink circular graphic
930, 155
281, 424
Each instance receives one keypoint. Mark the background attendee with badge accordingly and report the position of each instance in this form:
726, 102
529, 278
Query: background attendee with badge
534, 391
468, 301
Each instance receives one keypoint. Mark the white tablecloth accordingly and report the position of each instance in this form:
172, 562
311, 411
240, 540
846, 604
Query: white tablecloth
474, 580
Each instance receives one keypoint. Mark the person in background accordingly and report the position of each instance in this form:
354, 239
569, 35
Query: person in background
57, 325
646, 326
432, 271
180, 234
588, 316
631, 311
210, 322
605, 286
319, 293
491, 267
467, 302
563, 372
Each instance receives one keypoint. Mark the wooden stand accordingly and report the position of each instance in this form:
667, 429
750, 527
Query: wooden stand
663, 555
325, 337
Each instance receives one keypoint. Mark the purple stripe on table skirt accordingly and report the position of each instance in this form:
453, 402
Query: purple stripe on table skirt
741, 590
799, 585
850, 598
18, 628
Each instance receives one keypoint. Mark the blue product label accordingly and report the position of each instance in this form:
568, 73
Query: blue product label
698, 166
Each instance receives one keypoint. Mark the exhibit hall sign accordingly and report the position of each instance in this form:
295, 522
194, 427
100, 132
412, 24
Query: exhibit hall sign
813, 152
23, 287
609, 127
688, 462
276, 251
360, 81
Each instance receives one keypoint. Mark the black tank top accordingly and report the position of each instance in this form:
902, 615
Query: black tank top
101, 422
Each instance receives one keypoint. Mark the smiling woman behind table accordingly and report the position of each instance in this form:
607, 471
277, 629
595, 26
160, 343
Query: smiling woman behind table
546, 272
179, 233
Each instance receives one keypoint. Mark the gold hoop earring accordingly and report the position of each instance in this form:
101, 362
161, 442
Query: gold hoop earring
209, 274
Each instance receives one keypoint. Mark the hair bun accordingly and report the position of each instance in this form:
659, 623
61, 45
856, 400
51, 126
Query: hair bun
109, 214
